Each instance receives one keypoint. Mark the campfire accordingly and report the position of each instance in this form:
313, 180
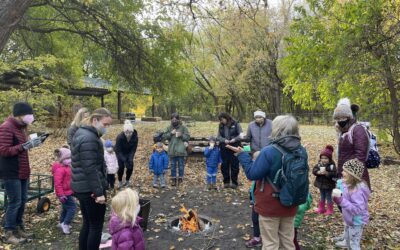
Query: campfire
190, 221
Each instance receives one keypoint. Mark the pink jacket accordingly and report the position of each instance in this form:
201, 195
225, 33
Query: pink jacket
62, 179
111, 162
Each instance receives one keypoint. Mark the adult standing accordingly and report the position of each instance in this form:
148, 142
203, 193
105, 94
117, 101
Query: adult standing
125, 148
259, 131
276, 220
15, 169
76, 123
229, 133
89, 176
178, 137
353, 137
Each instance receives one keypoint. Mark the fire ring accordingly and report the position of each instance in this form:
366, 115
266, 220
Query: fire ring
173, 225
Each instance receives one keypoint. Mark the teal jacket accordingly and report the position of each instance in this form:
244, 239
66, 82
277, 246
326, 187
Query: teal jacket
176, 146
301, 210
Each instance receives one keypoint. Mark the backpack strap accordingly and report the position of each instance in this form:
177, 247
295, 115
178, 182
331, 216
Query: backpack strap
279, 172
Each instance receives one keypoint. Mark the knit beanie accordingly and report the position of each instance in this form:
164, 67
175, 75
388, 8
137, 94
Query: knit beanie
63, 153
22, 108
259, 113
108, 144
327, 151
128, 126
354, 168
345, 109
212, 138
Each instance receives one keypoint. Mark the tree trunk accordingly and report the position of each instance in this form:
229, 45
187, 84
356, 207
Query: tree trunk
153, 107
11, 13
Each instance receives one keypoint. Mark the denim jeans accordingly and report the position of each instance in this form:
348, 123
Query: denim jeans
93, 219
68, 211
212, 174
256, 224
326, 194
181, 166
162, 180
16, 191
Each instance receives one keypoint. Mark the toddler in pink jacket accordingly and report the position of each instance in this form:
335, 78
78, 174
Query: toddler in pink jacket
61, 171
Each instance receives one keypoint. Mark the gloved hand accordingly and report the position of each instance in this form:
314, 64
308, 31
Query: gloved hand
338, 200
63, 199
32, 143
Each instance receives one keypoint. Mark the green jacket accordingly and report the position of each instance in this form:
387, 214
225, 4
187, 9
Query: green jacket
301, 211
176, 146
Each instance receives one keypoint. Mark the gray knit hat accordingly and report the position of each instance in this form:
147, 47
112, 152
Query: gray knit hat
354, 168
343, 109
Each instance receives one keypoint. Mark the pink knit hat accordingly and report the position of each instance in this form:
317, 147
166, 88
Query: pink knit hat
62, 154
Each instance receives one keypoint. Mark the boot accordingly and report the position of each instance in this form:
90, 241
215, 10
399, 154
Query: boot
180, 180
10, 238
209, 187
120, 185
21, 233
329, 211
173, 182
321, 207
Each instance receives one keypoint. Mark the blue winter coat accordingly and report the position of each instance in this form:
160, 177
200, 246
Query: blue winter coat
159, 162
213, 157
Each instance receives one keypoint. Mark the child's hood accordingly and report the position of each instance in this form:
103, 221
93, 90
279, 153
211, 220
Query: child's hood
116, 225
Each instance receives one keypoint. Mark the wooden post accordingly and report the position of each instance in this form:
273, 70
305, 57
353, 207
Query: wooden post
153, 107
119, 105
102, 101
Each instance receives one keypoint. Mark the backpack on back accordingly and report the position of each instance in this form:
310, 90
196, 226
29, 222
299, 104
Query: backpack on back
291, 180
373, 158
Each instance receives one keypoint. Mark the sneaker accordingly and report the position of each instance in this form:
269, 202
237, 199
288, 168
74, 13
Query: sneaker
253, 242
11, 238
234, 186
120, 185
227, 185
162, 186
127, 184
65, 229
341, 244
338, 238
155, 186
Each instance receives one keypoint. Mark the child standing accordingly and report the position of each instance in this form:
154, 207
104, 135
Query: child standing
159, 165
325, 172
124, 222
112, 163
213, 160
61, 171
352, 195
301, 210
256, 240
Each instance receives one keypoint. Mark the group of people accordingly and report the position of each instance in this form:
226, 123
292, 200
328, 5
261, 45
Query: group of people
87, 169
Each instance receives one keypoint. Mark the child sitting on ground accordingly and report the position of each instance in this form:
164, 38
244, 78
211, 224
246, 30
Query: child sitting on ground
256, 240
159, 165
124, 222
112, 163
325, 172
61, 170
213, 160
352, 195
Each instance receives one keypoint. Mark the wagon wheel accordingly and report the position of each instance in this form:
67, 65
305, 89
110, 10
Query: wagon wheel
43, 205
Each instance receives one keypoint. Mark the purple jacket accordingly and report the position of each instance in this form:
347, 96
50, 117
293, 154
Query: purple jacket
354, 204
125, 236
354, 144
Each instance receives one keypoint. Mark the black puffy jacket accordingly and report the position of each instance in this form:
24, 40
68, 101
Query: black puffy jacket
88, 165
125, 149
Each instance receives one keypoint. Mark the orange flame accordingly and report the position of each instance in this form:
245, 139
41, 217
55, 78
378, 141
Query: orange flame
189, 221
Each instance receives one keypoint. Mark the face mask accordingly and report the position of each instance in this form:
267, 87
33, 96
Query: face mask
28, 119
343, 124
212, 144
109, 150
101, 129
67, 162
259, 120
175, 123
128, 134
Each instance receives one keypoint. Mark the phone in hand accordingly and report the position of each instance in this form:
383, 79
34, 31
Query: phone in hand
234, 149
44, 136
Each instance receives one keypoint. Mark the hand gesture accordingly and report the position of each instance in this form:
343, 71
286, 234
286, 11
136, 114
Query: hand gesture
32, 143
235, 149
178, 134
232, 141
226, 141
63, 199
173, 131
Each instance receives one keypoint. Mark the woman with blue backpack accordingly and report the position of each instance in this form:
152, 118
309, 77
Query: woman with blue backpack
277, 198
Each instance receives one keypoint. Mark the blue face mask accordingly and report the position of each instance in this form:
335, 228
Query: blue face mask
101, 129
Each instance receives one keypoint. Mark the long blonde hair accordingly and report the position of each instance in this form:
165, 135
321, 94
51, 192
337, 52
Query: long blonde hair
79, 117
97, 114
125, 205
284, 125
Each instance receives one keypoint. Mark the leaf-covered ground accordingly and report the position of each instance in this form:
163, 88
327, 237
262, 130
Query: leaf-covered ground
228, 208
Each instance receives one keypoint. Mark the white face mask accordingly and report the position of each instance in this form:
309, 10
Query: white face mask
109, 150
28, 119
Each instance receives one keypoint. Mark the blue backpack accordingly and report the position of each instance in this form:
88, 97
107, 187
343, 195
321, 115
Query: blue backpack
291, 180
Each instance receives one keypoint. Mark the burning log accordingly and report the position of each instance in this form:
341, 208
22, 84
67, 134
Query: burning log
190, 221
